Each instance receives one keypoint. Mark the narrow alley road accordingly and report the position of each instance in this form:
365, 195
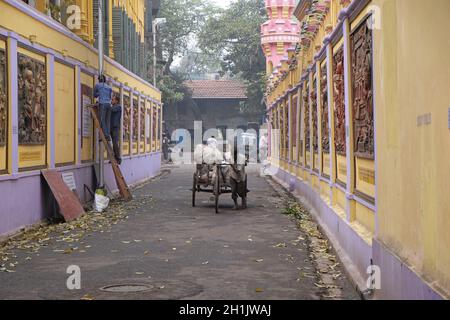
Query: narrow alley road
176, 251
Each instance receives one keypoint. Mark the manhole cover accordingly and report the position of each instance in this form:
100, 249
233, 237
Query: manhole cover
125, 288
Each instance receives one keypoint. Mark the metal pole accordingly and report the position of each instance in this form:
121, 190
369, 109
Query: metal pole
154, 52
100, 72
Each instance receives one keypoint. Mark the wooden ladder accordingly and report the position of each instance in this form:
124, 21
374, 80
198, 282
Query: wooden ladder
120, 180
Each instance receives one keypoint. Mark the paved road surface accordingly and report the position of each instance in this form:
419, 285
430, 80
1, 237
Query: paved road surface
181, 252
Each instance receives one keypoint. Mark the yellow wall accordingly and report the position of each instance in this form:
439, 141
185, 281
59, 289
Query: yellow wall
413, 78
25, 26
64, 114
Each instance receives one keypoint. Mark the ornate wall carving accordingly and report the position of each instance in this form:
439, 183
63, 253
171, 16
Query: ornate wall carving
314, 116
306, 117
324, 110
126, 118
3, 98
286, 129
135, 120
32, 80
294, 121
339, 102
363, 122
155, 123
142, 114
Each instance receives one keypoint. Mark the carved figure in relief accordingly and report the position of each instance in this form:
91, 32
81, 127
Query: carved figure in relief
135, 121
324, 120
3, 99
142, 112
339, 102
126, 118
286, 128
306, 108
314, 118
361, 46
32, 101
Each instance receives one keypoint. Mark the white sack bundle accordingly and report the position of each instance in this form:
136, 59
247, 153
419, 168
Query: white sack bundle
207, 155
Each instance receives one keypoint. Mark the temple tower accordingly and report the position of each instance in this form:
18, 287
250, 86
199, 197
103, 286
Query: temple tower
279, 33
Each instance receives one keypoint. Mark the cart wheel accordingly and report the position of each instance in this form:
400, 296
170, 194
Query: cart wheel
217, 192
246, 189
194, 189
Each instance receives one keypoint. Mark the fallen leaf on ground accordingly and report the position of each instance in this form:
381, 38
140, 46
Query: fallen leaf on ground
259, 290
87, 297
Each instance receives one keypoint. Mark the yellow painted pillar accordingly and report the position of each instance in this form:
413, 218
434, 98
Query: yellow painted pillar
78, 106
42, 5
330, 85
110, 27
319, 116
351, 205
90, 20
13, 112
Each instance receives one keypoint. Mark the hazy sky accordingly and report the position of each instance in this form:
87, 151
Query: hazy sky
222, 3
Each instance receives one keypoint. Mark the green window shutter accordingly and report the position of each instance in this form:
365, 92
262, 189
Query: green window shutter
117, 22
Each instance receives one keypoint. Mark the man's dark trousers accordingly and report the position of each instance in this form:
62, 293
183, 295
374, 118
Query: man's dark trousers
116, 115
105, 119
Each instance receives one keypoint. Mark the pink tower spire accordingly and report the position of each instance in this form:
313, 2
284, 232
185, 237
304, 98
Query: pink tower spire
280, 33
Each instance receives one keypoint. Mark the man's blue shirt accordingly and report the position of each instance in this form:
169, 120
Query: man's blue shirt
103, 92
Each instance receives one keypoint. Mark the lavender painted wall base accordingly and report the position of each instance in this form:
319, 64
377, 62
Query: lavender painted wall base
398, 281
26, 199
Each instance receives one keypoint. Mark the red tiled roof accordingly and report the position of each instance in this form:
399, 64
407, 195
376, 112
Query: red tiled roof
217, 89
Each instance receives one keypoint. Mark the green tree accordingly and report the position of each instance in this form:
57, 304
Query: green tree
184, 19
233, 34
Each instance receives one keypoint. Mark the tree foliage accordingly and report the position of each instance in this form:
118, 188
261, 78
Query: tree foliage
233, 34
184, 19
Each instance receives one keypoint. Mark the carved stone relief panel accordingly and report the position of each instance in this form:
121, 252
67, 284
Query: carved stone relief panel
294, 121
363, 122
126, 118
155, 123
314, 116
286, 129
135, 120
339, 102
306, 117
32, 81
3, 98
281, 121
324, 110
142, 115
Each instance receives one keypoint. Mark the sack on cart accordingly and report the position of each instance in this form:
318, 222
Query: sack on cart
207, 155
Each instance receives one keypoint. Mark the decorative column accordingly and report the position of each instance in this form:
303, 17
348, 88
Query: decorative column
319, 116
331, 120
350, 210
13, 126
110, 28
121, 120
78, 115
139, 125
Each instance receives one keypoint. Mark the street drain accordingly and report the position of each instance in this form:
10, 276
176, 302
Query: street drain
127, 288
